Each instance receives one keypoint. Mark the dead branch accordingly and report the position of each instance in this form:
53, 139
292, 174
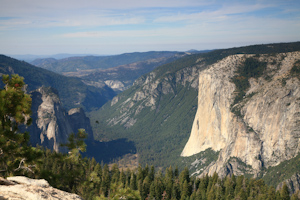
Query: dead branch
23, 167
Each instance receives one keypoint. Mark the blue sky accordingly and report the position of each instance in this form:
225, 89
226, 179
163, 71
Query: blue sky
118, 26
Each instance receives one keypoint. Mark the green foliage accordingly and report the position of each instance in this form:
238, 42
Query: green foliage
76, 144
15, 110
277, 174
93, 181
251, 68
164, 129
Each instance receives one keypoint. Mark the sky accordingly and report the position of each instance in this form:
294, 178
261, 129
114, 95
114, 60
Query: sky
105, 27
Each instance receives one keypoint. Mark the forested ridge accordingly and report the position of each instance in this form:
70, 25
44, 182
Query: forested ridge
91, 180
72, 91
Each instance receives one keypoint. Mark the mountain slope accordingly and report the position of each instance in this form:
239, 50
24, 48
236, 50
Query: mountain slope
72, 91
74, 64
157, 112
121, 77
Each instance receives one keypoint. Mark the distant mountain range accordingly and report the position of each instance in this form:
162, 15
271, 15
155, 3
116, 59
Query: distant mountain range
117, 72
72, 91
74, 64
30, 57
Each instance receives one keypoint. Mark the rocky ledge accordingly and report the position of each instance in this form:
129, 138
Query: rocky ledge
21, 187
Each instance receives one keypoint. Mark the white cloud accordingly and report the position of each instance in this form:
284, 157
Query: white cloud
213, 15
126, 22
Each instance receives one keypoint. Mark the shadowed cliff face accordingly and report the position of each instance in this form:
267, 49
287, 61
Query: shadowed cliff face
51, 123
267, 130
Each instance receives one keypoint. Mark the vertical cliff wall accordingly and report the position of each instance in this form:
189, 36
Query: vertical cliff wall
51, 123
265, 133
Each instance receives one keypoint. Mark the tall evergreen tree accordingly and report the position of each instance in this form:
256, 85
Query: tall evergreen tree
133, 181
284, 192
15, 110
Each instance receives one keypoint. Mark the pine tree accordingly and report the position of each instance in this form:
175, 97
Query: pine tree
184, 176
284, 192
15, 110
176, 172
115, 173
105, 183
229, 188
176, 191
152, 173
133, 181
271, 193
76, 145
159, 186
128, 176
122, 179
185, 192
169, 182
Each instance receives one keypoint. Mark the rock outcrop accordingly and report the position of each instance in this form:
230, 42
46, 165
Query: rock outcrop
151, 88
293, 183
23, 188
266, 133
51, 123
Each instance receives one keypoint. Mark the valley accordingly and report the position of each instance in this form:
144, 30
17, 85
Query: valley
227, 111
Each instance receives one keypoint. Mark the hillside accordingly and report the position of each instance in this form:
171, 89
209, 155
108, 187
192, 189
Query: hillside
122, 77
74, 64
157, 112
72, 91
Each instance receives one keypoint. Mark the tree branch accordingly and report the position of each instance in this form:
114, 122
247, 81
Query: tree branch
23, 167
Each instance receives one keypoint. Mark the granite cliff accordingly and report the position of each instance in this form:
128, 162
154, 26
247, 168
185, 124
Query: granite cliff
51, 123
261, 129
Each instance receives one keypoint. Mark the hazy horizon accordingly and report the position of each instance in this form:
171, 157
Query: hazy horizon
115, 27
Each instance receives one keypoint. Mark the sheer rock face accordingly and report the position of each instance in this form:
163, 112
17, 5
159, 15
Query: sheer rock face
21, 187
268, 131
51, 123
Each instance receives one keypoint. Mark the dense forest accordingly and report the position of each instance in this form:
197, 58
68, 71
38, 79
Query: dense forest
91, 180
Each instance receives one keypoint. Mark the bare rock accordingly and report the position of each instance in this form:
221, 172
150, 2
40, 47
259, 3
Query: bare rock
23, 188
293, 183
266, 133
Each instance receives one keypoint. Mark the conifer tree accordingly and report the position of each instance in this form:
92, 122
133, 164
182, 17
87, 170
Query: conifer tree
159, 187
271, 193
152, 173
176, 190
284, 192
105, 183
115, 173
133, 181
76, 145
122, 179
152, 191
185, 192
15, 110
